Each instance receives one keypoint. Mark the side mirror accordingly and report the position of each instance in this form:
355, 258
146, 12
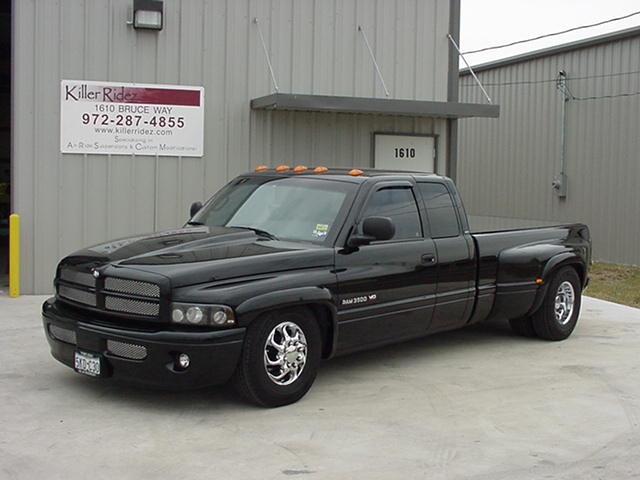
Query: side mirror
373, 228
195, 208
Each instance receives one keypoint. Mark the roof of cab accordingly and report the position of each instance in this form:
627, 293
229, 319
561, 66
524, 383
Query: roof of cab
343, 173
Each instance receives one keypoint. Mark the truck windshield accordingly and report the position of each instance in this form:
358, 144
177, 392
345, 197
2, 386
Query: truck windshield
285, 208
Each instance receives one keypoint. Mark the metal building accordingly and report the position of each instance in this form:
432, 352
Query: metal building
517, 170
328, 106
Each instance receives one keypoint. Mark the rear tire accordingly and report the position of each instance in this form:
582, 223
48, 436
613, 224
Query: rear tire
280, 358
558, 315
523, 326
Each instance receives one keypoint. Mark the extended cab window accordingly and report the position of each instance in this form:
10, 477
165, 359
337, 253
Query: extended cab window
443, 220
399, 205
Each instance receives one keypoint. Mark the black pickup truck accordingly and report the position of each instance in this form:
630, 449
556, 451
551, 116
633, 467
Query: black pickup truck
284, 267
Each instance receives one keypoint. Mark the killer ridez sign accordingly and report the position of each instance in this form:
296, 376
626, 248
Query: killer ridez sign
131, 118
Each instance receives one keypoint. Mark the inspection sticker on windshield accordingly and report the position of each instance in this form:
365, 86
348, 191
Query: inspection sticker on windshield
321, 230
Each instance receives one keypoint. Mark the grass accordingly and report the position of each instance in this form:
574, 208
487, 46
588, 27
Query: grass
615, 283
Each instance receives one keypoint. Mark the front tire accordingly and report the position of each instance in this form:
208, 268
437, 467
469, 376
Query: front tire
280, 358
558, 315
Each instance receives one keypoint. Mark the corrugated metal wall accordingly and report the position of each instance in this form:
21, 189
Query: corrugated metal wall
69, 201
506, 165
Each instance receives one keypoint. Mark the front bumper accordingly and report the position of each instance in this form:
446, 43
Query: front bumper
214, 354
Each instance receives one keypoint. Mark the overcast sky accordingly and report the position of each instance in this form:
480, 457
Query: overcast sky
486, 23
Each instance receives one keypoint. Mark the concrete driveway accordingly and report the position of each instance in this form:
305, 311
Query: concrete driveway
479, 403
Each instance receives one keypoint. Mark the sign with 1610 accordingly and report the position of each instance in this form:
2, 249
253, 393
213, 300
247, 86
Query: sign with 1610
131, 118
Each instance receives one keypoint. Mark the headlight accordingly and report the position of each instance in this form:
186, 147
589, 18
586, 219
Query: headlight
196, 314
220, 317
177, 315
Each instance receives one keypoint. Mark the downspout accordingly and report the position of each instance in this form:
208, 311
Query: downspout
559, 183
452, 90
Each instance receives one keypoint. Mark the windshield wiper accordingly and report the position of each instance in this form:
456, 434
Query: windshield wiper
194, 223
258, 231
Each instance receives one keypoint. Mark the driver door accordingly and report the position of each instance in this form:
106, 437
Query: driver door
386, 289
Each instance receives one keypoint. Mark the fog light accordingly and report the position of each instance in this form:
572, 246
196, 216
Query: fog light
195, 315
183, 361
220, 317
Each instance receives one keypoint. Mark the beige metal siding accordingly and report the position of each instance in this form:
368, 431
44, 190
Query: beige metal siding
506, 165
70, 201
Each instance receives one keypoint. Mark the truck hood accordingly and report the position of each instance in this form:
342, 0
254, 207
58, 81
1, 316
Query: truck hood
196, 255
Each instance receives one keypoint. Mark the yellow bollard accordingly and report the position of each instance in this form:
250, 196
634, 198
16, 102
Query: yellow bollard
14, 255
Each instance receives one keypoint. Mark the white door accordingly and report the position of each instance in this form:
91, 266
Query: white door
404, 152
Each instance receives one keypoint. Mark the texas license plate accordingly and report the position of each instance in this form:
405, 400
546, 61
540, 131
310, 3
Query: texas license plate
87, 363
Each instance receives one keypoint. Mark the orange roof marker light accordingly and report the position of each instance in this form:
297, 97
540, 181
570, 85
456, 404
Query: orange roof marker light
300, 168
261, 168
354, 172
282, 168
320, 170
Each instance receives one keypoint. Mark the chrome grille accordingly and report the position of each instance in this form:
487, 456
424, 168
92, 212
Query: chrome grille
111, 294
63, 334
128, 305
132, 287
127, 350
81, 278
77, 295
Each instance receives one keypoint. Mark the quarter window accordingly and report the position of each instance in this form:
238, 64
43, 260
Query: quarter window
443, 220
399, 204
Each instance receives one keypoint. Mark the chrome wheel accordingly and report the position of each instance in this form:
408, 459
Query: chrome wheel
564, 302
285, 353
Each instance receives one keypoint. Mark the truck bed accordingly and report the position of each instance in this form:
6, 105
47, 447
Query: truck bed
512, 264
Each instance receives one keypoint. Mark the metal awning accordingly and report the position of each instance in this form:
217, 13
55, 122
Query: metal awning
374, 106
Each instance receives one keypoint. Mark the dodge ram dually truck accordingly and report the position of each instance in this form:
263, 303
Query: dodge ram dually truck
284, 267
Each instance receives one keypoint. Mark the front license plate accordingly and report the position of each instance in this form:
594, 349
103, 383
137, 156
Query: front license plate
87, 363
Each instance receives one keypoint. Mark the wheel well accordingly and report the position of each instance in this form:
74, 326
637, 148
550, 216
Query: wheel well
580, 270
577, 267
323, 317
573, 263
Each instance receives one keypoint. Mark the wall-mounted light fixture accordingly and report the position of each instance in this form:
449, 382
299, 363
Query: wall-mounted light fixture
147, 14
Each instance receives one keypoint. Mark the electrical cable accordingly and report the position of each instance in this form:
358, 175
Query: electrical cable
564, 87
626, 94
568, 90
602, 75
551, 34
531, 82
